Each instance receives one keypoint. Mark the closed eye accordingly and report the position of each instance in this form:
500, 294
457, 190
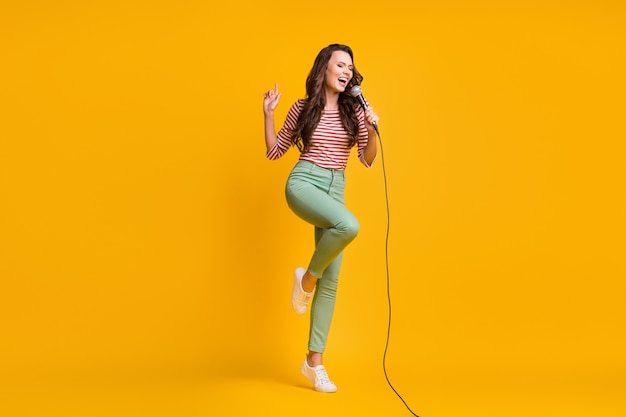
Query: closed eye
342, 65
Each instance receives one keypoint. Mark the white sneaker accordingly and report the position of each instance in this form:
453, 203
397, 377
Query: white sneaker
318, 376
299, 297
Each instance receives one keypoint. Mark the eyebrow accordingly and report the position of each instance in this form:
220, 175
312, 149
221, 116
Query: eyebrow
341, 62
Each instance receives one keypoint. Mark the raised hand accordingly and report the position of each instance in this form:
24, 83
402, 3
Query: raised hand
270, 100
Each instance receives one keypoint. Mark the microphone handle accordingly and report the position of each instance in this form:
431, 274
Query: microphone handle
362, 101
364, 105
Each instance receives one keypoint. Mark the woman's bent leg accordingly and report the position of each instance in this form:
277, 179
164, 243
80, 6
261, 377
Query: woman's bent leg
315, 206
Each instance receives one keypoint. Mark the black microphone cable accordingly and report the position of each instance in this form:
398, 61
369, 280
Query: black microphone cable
357, 93
382, 154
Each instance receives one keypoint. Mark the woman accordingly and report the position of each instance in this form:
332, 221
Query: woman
324, 127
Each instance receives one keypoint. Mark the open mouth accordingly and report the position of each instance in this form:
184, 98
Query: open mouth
343, 81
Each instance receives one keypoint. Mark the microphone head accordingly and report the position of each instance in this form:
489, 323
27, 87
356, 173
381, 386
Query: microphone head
355, 91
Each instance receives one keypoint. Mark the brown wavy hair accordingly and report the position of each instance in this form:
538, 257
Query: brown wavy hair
316, 100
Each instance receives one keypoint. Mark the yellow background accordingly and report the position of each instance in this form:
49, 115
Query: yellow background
146, 249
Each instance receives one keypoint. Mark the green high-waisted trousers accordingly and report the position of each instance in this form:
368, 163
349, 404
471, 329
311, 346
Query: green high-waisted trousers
316, 195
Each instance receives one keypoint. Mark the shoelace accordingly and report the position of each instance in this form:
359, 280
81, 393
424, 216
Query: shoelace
303, 299
322, 376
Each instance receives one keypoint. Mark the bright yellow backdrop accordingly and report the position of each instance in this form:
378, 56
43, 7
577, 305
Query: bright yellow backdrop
146, 249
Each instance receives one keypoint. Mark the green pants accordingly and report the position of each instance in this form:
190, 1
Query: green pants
316, 195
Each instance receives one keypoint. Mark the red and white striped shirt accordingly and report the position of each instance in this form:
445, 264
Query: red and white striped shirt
329, 143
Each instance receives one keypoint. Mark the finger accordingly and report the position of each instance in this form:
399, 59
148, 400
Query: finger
276, 88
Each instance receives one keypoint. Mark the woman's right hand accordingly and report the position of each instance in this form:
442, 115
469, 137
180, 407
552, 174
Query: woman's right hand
270, 100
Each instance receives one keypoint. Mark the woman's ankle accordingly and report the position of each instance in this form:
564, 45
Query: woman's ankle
308, 282
314, 359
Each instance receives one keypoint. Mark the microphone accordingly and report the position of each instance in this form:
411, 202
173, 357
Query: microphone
357, 93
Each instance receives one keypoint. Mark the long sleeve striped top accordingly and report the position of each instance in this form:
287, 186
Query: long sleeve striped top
329, 143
